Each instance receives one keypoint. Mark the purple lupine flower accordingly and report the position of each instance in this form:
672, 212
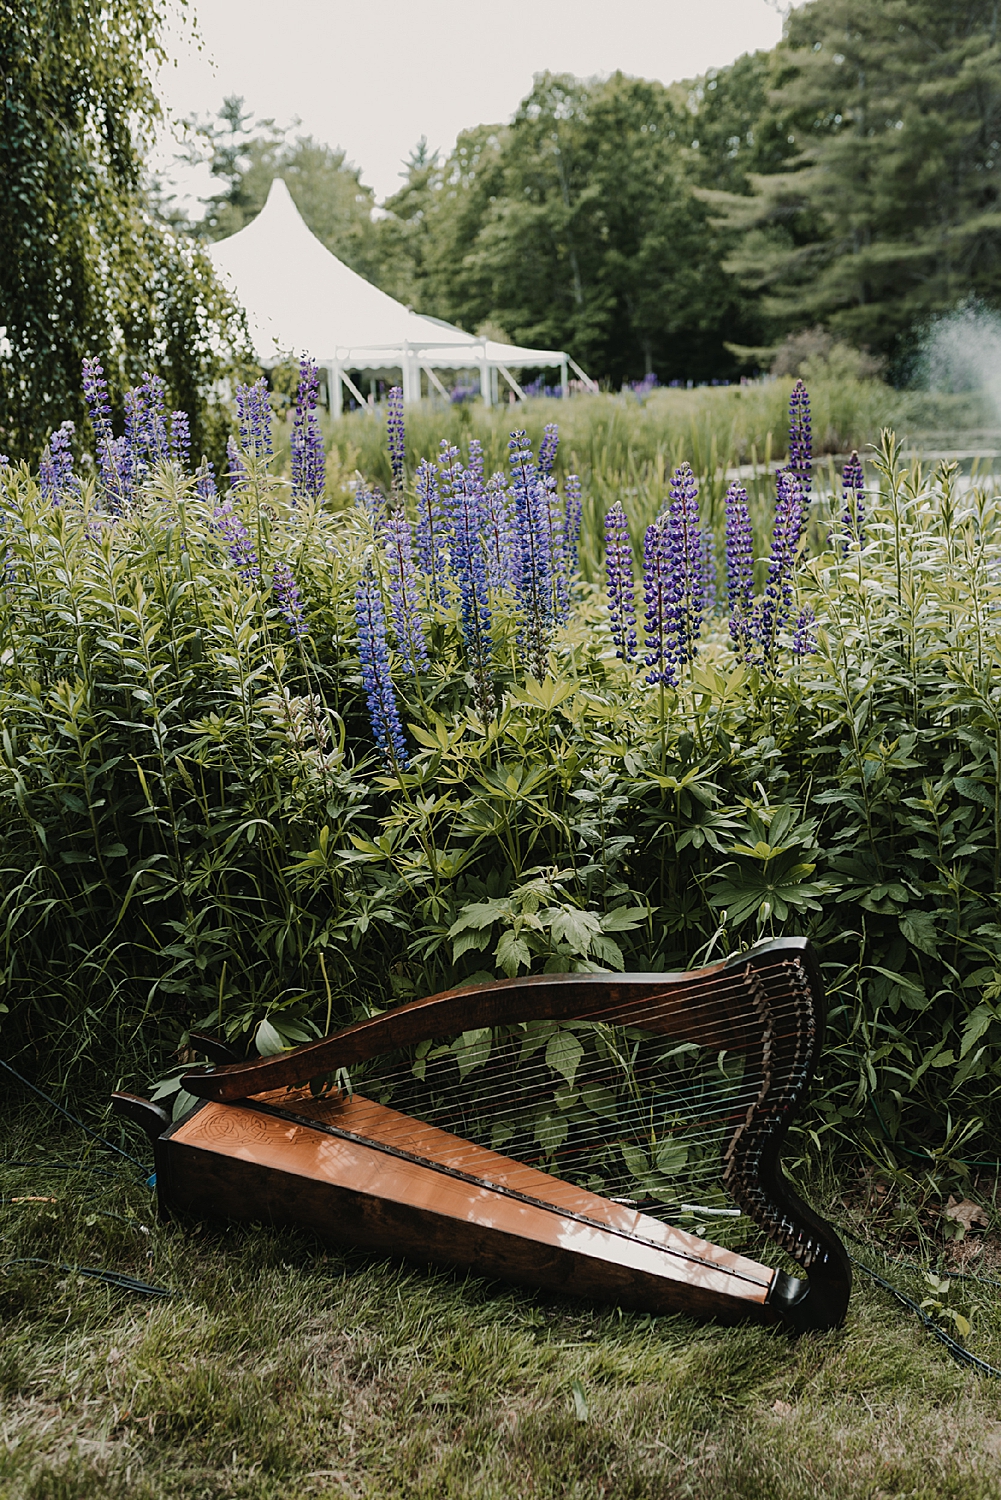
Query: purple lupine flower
547, 448
205, 486
853, 516
309, 463
151, 435
469, 566
55, 471
374, 653
739, 568
253, 410
289, 599
621, 590
95, 389
113, 460
499, 533
396, 435
4, 461
804, 636
372, 501
179, 439
475, 461
800, 438
772, 613
658, 598
571, 523
674, 575
431, 529
238, 542
404, 594
236, 469
534, 584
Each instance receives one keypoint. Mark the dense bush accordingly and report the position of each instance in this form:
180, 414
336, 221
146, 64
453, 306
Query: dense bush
233, 786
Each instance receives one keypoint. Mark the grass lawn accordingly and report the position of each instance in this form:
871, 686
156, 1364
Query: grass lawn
281, 1369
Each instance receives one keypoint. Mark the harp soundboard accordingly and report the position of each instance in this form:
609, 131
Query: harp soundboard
548, 1128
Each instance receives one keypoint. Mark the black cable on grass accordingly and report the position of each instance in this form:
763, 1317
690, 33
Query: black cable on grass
955, 1348
47, 1099
112, 1278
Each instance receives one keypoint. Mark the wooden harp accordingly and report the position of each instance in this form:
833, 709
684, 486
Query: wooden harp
736, 1044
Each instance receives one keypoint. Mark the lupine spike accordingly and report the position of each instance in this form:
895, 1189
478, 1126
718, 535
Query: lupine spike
253, 410
621, 588
773, 612
396, 436
55, 471
179, 441
499, 533
571, 523
238, 542
739, 568
534, 585
289, 599
431, 529
853, 515
384, 714
801, 438
548, 447
470, 570
657, 591
404, 595
236, 469
205, 485
309, 462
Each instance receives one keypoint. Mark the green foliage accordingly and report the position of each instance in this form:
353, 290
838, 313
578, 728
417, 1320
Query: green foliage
194, 826
86, 269
889, 210
574, 227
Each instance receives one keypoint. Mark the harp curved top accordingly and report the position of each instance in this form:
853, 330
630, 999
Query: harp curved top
693, 1006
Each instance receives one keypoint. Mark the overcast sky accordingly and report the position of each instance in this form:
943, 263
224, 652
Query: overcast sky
375, 77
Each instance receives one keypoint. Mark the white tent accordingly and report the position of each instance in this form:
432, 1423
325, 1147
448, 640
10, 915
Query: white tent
299, 298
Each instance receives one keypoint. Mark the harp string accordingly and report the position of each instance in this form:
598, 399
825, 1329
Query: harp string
664, 1118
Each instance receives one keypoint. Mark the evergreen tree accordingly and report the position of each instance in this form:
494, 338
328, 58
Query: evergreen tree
86, 269
889, 211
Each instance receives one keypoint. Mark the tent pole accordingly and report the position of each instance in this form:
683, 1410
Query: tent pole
564, 378
485, 382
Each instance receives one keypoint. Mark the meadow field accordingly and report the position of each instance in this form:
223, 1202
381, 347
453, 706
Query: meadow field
280, 750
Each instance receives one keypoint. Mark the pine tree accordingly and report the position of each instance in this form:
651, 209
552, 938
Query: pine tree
890, 211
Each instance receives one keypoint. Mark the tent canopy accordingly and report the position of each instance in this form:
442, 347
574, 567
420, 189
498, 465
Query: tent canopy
300, 298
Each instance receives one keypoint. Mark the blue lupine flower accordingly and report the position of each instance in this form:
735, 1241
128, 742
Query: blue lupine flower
469, 565
205, 486
658, 597
674, 574
289, 599
404, 594
309, 463
179, 440
500, 534
571, 523
800, 438
739, 568
253, 410
372, 501
374, 653
773, 612
148, 440
475, 461
237, 538
431, 529
804, 636
55, 471
547, 448
621, 589
396, 435
534, 584
95, 389
853, 515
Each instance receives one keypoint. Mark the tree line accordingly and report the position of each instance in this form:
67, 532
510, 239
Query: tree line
847, 179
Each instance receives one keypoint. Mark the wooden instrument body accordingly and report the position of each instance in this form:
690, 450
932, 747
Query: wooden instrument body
358, 1173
